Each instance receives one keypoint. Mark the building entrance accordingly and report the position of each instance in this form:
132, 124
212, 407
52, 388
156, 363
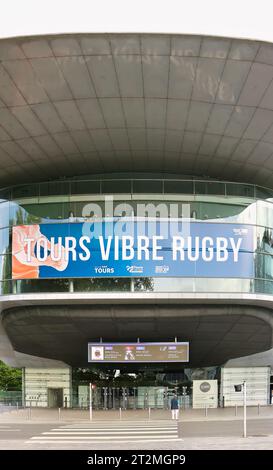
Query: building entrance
55, 397
126, 398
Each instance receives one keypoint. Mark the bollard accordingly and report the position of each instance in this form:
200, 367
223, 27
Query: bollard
258, 408
59, 414
120, 413
206, 410
235, 410
17, 406
149, 413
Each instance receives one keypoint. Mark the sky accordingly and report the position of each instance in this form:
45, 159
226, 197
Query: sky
235, 18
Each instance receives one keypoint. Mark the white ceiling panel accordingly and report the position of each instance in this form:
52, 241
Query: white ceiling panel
243, 150
34, 48
103, 74
155, 139
182, 75
215, 47
65, 142
265, 54
9, 93
267, 100
112, 112
3, 135
155, 45
11, 125
31, 148
119, 138
155, 75
191, 142
101, 139
83, 141
260, 153
11, 50
29, 120
268, 136
5, 159
256, 84
51, 78
91, 112
177, 112
134, 112
207, 79
26, 81
243, 50
155, 111
14, 151
123, 45
70, 115
173, 141
96, 45
185, 46
209, 144
136, 102
226, 147
232, 80
49, 117
48, 145
67, 46
218, 119
129, 73
259, 124
239, 120
77, 77
137, 138
198, 116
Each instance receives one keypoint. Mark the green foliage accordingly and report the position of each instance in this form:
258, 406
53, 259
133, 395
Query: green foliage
10, 378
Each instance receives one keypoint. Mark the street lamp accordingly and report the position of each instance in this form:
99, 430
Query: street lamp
238, 388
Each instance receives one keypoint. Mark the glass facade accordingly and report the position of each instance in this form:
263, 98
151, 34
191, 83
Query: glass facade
74, 200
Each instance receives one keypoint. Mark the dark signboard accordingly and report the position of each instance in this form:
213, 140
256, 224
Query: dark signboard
138, 352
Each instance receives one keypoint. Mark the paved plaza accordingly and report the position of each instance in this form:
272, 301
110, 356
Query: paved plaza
132, 429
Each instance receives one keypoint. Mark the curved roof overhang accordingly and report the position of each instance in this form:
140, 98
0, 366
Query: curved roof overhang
93, 103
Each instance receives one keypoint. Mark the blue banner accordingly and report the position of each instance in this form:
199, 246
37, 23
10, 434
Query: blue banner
133, 249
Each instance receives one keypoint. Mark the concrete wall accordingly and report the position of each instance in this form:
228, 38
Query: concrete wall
37, 382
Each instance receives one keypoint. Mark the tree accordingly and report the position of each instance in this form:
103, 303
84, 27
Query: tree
10, 378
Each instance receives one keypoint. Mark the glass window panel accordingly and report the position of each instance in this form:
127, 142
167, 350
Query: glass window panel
85, 187
210, 210
178, 187
264, 241
263, 193
209, 187
147, 186
265, 213
263, 286
26, 190
5, 194
4, 240
5, 267
37, 212
116, 187
264, 266
4, 214
42, 285
89, 209
5, 287
55, 188
244, 190
102, 285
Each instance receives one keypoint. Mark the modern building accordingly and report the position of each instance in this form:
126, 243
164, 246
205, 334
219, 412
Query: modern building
107, 128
